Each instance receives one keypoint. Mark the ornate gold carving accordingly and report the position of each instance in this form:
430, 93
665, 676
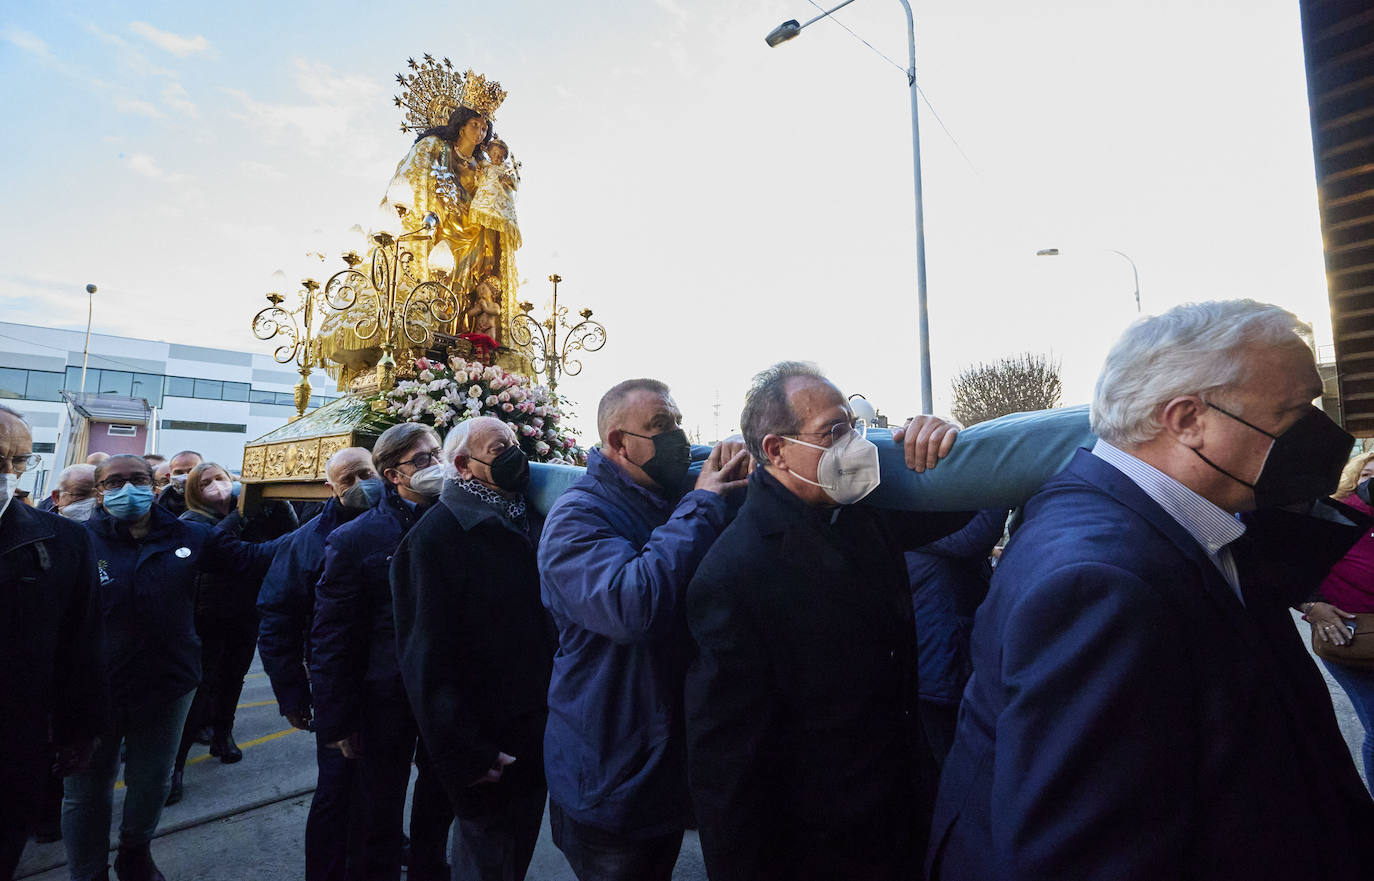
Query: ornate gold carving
328, 447
252, 463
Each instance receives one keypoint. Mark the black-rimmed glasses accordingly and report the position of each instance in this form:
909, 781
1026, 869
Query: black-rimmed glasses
117, 481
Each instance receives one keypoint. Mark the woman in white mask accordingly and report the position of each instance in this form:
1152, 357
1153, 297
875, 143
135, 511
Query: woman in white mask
225, 614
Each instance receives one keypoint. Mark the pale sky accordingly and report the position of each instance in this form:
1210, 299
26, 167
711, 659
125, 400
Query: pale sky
720, 205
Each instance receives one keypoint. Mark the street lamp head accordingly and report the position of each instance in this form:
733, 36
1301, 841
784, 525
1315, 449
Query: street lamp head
90, 289
1047, 252
783, 32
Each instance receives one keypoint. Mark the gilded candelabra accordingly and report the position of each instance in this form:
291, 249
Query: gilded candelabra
299, 326
540, 339
386, 313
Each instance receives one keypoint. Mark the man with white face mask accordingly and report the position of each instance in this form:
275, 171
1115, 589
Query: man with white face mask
803, 740
74, 497
359, 699
53, 695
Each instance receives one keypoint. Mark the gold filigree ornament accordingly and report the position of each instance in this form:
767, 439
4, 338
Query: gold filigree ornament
434, 90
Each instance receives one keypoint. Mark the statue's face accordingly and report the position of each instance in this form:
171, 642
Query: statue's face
474, 130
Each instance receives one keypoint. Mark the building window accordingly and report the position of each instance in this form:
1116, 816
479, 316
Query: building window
181, 386
183, 425
45, 385
149, 387
210, 389
12, 382
235, 391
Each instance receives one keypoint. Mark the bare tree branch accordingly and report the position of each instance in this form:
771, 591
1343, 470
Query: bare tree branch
1009, 385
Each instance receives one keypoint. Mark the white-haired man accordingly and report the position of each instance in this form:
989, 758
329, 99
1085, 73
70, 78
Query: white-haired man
74, 497
1141, 705
476, 648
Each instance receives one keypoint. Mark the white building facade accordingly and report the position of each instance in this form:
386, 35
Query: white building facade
208, 400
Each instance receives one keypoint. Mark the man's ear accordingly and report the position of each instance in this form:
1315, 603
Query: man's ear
772, 447
615, 440
462, 464
1182, 419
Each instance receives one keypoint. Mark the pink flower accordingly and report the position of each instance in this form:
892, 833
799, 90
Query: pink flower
424, 363
507, 407
491, 401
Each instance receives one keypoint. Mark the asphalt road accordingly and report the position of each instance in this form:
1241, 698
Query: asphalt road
246, 822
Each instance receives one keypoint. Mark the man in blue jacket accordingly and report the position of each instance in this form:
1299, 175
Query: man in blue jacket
617, 552
287, 606
1141, 705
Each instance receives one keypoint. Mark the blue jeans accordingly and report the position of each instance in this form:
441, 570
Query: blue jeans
1359, 687
152, 736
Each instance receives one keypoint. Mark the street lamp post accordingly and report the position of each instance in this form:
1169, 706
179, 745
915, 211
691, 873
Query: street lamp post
1135, 271
86, 349
789, 29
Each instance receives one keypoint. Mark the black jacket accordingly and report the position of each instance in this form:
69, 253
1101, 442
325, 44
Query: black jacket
803, 743
353, 637
147, 593
51, 667
224, 594
286, 604
476, 645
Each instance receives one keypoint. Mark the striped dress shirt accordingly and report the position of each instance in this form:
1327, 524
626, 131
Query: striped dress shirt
1213, 528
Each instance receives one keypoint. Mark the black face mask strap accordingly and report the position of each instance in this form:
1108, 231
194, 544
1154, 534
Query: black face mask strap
1217, 467
1242, 422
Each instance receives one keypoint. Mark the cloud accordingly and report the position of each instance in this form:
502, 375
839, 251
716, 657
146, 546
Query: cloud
261, 170
125, 104
26, 40
142, 163
176, 44
673, 9
175, 97
338, 118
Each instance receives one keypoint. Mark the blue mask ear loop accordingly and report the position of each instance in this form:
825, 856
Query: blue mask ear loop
1215, 466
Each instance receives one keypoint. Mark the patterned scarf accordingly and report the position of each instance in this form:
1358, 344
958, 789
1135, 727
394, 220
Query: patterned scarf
512, 509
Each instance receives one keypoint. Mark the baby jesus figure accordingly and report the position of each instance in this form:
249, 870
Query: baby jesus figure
493, 206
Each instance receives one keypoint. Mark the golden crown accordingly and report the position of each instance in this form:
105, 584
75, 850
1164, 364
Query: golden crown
431, 94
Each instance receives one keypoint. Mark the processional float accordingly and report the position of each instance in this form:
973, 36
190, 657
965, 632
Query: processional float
423, 323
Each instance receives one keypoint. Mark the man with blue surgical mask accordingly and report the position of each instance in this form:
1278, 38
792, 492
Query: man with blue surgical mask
287, 605
804, 746
147, 562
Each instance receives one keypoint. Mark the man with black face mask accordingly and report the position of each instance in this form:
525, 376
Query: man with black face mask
286, 604
1141, 704
475, 648
618, 550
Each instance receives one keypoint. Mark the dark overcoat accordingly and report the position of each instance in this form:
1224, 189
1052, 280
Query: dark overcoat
804, 749
475, 645
52, 668
1130, 718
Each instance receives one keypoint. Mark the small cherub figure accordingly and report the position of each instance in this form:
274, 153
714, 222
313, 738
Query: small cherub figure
484, 310
493, 207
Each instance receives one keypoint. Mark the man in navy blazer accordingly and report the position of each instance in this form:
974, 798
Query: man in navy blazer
1142, 706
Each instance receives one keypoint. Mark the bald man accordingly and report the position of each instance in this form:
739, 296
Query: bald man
52, 673
476, 648
286, 603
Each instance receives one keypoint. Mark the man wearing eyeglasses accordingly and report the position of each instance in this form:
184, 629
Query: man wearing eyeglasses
359, 699
52, 675
804, 745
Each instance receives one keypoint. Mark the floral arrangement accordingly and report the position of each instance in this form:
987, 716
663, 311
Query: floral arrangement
444, 395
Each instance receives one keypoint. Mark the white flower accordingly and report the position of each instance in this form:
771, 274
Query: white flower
507, 407
475, 392
541, 448
426, 375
